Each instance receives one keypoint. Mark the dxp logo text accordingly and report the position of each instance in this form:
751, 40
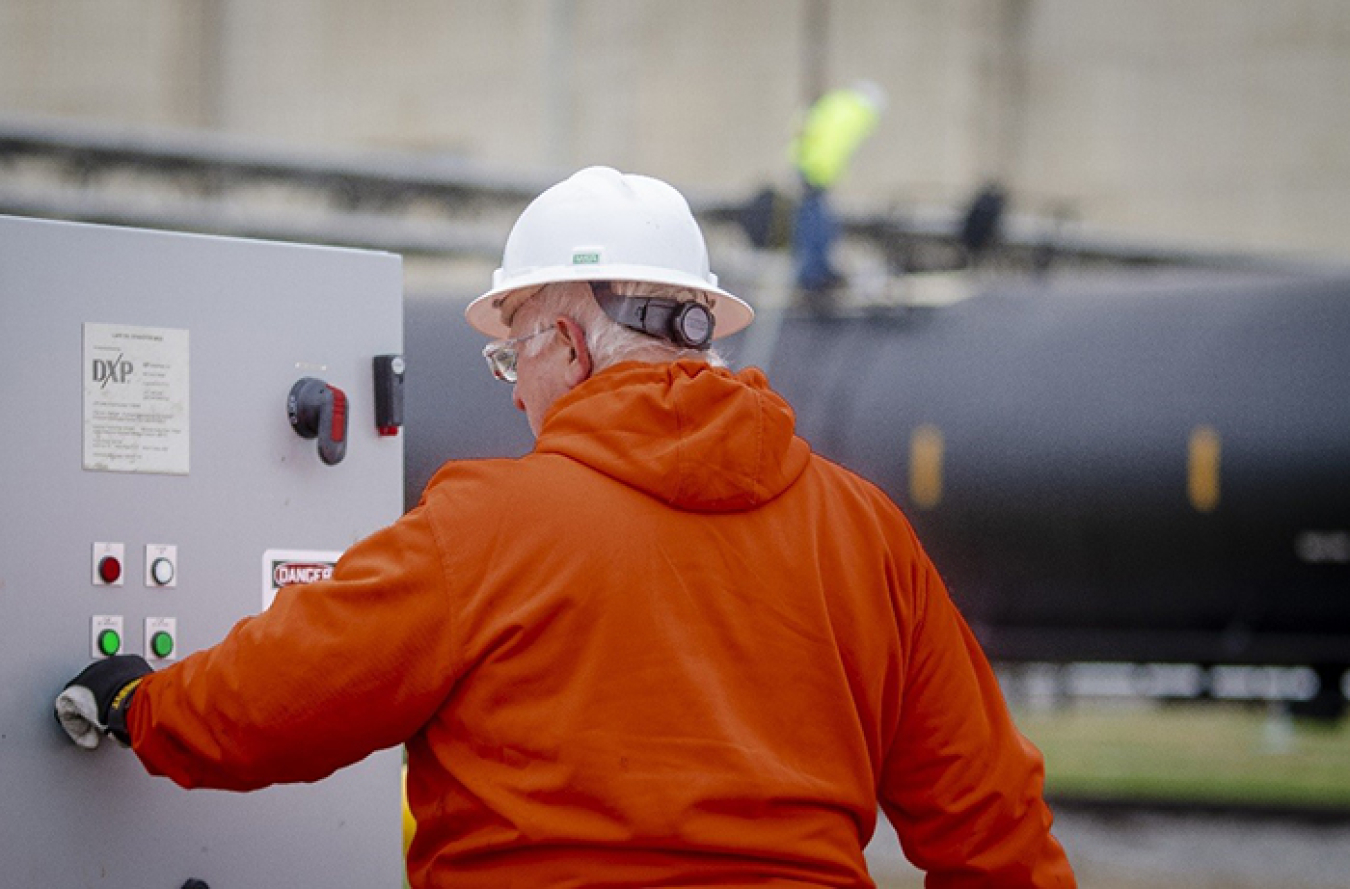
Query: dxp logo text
117, 370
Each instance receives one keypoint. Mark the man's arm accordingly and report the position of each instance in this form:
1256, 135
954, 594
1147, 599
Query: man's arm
960, 784
330, 673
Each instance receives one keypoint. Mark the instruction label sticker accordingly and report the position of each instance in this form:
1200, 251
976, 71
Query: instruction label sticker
135, 399
290, 567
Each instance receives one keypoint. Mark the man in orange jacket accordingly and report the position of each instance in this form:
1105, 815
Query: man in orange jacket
670, 646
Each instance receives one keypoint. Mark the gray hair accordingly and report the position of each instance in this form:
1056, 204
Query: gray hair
608, 341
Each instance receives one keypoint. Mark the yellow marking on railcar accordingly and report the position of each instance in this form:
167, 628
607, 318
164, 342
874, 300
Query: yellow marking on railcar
1203, 469
925, 466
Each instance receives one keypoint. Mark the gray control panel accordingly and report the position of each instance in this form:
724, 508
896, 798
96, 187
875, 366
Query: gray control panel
152, 492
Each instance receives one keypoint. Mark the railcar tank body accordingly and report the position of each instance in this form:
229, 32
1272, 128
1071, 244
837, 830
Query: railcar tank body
1144, 474
1149, 472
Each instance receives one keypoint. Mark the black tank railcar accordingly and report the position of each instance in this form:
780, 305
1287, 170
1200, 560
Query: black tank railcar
1151, 473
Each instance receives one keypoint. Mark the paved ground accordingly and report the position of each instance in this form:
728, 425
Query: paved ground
1173, 851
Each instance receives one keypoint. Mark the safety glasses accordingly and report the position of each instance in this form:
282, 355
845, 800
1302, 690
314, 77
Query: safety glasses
502, 355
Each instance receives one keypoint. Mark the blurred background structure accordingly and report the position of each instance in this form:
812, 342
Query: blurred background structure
1136, 125
1130, 212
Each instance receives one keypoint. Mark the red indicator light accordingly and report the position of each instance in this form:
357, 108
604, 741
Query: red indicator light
109, 569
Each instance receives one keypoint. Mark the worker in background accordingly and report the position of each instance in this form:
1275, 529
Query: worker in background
670, 646
835, 126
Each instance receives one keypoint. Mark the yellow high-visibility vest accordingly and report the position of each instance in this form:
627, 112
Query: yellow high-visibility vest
835, 126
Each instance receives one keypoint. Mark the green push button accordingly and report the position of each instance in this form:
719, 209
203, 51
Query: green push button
109, 643
161, 644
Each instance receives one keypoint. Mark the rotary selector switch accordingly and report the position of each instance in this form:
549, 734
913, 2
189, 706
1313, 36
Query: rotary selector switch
318, 410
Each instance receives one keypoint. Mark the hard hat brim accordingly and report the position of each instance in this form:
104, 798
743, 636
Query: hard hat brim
489, 313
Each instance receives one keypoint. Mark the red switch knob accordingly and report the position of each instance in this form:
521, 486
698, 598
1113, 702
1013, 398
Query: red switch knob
109, 569
318, 410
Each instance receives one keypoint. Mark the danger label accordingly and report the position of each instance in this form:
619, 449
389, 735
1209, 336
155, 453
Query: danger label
288, 573
284, 567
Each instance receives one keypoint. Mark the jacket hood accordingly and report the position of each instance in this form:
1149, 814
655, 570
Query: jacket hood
696, 437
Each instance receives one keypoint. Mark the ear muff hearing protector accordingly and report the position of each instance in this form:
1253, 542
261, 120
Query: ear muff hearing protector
687, 324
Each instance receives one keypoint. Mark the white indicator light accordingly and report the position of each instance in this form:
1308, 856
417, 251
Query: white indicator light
161, 565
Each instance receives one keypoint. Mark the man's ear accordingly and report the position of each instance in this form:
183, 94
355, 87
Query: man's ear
579, 364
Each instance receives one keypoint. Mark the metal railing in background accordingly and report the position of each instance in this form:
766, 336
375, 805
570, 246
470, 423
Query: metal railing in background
441, 206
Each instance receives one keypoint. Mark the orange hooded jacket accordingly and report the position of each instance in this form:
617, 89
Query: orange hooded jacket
671, 646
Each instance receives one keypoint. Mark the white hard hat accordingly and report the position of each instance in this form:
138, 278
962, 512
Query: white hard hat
603, 225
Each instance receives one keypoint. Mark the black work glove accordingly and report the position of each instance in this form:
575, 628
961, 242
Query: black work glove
95, 702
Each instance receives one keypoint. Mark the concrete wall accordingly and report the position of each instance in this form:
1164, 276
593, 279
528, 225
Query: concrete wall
1206, 122
1216, 119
